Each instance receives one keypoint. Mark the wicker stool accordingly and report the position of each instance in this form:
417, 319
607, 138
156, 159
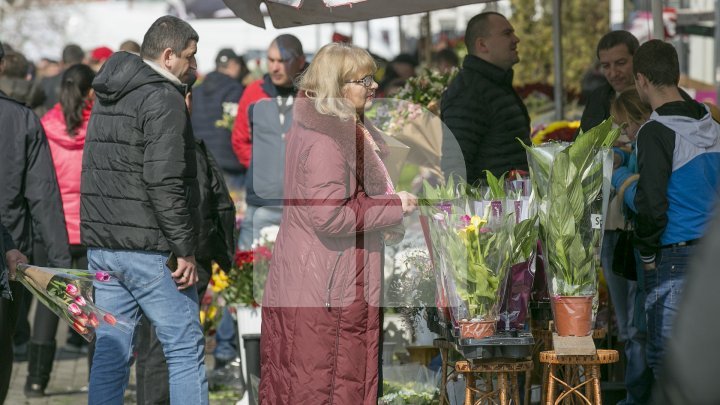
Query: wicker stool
447, 368
506, 370
577, 372
543, 342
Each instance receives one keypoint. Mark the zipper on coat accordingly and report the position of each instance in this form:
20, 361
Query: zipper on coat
330, 281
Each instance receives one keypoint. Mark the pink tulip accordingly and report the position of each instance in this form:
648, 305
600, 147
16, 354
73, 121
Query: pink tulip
80, 328
74, 309
109, 319
102, 276
93, 320
82, 319
72, 290
80, 300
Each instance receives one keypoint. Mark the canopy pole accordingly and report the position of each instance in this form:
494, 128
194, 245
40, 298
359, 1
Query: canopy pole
717, 51
558, 58
657, 18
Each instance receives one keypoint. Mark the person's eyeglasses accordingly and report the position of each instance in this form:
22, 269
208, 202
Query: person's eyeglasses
366, 81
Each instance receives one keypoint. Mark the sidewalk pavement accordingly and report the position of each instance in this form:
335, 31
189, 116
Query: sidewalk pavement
69, 381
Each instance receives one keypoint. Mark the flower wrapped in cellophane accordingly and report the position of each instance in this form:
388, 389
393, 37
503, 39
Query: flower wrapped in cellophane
572, 185
68, 293
475, 244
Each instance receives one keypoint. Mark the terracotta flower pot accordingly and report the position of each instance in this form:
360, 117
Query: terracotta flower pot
476, 329
573, 315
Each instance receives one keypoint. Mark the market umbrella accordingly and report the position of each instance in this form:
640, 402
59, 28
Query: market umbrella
292, 13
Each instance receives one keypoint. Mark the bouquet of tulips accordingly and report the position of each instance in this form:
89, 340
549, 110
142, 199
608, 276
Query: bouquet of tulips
68, 293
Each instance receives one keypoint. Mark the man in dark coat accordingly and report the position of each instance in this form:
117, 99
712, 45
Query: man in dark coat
71, 55
9, 259
30, 205
220, 90
615, 53
139, 200
482, 112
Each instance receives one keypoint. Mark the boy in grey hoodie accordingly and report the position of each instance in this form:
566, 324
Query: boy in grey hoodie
679, 166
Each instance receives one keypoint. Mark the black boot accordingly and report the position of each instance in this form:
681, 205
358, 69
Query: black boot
40, 362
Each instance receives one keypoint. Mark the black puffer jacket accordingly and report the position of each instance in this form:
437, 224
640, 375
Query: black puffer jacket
483, 115
30, 205
139, 188
216, 234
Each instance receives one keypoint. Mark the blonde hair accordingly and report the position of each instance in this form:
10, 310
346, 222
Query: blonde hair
324, 80
628, 107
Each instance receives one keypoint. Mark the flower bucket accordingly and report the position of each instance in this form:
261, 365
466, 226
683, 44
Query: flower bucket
573, 315
476, 329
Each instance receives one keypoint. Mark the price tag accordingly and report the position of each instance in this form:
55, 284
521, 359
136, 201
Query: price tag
596, 221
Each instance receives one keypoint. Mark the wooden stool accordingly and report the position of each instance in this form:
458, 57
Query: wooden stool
578, 372
543, 342
447, 368
506, 370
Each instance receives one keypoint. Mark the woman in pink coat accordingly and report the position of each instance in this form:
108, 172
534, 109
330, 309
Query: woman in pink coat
321, 307
65, 125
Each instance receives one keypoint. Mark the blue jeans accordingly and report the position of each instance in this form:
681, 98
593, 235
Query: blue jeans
147, 287
226, 338
663, 288
624, 294
257, 218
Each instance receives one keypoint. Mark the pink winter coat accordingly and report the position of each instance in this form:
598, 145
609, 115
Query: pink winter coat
321, 309
67, 155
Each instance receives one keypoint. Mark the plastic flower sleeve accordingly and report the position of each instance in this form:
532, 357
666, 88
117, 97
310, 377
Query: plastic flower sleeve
68, 294
571, 183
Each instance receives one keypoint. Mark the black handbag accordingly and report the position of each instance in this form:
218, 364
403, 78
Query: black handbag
623, 263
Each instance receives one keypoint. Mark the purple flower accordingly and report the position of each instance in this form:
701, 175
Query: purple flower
465, 220
72, 290
102, 276
80, 300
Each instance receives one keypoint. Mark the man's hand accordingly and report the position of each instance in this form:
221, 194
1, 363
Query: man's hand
186, 273
13, 258
409, 202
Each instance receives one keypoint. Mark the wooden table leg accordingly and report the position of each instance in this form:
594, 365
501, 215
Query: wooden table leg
502, 386
444, 376
550, 394
528, 384
595, 373
469, 383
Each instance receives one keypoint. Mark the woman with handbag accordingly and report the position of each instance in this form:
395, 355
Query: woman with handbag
627, 294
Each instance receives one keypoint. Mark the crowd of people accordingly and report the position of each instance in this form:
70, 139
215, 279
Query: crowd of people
113, 161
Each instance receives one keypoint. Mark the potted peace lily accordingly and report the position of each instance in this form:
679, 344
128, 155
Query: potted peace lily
571, 183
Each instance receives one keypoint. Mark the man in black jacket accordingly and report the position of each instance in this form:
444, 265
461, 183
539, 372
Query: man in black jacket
217, 94
138, 207
30, 206
480, 108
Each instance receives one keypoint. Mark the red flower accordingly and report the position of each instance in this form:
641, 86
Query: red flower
244, 257
263, 252
93, 320
79, 327
109, 319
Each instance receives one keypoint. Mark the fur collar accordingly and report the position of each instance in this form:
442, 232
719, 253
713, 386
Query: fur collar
352, 142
